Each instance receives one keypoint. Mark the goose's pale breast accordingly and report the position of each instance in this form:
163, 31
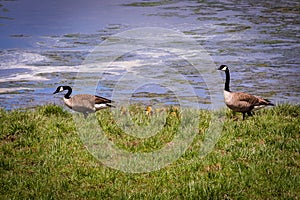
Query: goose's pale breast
227, 97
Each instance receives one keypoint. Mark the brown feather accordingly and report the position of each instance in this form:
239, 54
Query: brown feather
99, 100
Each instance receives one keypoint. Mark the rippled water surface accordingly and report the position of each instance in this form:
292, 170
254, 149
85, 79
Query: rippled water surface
148, 52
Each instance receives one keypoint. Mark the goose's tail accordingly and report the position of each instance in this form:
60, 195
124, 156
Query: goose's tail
268, 102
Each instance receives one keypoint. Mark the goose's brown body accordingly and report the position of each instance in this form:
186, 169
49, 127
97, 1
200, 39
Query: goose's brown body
86, 103
243, 102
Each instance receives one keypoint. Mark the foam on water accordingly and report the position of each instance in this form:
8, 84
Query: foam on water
15, 58
27, 66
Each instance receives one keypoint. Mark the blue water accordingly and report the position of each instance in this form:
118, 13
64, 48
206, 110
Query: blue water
44, 44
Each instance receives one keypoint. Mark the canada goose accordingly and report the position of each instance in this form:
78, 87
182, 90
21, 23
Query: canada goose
240, 101
84, 103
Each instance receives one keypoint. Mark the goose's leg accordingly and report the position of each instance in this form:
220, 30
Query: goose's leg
249, 113
85, 115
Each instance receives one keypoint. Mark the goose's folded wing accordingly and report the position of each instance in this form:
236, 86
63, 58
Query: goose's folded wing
262, 101
99, 100
245, 98
251, 99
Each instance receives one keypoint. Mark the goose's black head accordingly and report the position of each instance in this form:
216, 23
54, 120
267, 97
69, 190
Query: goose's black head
223, 68
62, 88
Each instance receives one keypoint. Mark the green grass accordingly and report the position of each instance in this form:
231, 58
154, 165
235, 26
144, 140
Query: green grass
43, 157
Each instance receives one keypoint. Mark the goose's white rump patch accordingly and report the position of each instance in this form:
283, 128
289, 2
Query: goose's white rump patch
101, 105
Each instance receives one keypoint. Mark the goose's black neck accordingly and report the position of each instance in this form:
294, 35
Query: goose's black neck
227, 80
67, 96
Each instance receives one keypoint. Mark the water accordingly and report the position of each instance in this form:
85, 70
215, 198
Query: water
106, 48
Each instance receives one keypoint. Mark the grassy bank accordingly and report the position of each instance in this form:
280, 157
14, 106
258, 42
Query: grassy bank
42, 156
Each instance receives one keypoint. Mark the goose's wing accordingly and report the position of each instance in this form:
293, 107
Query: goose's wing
101, 100
251, 99
263, 101
92, 99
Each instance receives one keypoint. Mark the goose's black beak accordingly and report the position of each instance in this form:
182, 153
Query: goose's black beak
220, 68
58, 89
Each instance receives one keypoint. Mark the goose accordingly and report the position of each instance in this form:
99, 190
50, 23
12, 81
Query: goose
84, 103
240, 101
